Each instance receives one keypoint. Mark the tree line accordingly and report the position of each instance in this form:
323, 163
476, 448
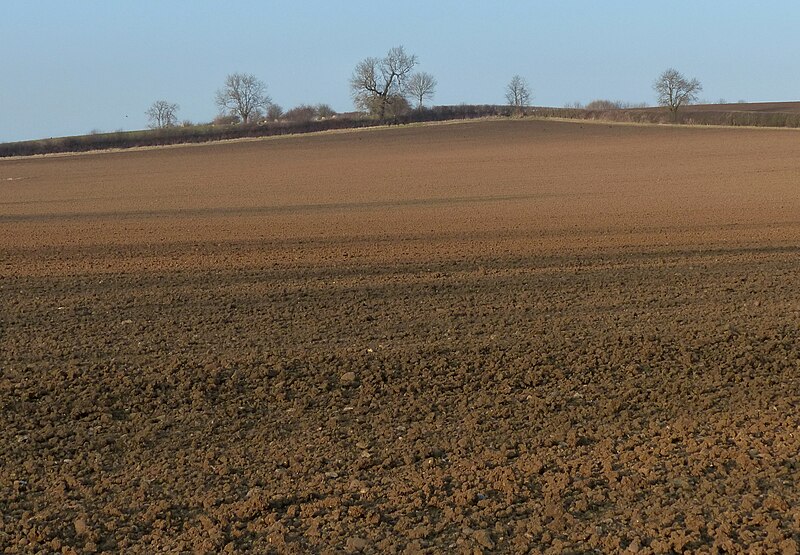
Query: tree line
386, 88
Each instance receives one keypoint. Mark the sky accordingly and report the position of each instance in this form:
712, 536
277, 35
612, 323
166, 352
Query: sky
71, 67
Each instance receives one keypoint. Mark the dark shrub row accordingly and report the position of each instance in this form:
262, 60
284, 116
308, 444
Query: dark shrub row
172, 135
686, 116
205, 133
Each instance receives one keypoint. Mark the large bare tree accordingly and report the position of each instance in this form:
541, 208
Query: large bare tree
518, 93
162, 114
421, 86
244, 95
674, 90
377, 81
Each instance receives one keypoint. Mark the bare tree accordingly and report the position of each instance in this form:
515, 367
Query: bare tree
674, 90
227, 119
303, 112
243, 95
324, 111
376, 81
421, 86
518, 93
162, 114
602, 104
274, 112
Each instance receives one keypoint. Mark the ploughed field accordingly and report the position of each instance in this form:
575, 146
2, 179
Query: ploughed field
485, 336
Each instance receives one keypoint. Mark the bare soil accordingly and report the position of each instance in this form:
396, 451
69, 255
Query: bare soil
501, 336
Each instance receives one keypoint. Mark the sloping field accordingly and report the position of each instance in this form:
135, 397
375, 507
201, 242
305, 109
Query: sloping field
488, 336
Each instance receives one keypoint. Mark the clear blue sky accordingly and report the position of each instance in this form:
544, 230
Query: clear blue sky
67, 67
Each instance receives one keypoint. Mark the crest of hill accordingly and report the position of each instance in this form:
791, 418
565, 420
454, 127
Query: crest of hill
757, 114
758, 107
754, 114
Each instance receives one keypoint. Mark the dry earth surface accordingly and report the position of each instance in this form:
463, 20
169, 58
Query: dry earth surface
500, 336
